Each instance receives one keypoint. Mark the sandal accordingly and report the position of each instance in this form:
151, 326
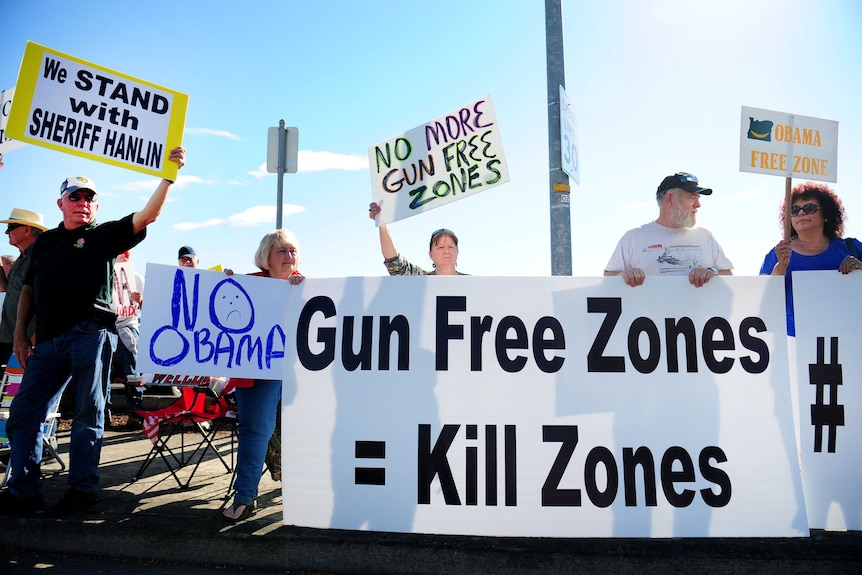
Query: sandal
237, 511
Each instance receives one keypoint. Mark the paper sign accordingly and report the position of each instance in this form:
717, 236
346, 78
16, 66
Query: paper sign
788, 145
7, 144
124, 286
73, 106
570, 159
201, 322
450, 158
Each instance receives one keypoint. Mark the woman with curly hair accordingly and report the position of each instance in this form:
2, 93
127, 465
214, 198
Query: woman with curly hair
816, 232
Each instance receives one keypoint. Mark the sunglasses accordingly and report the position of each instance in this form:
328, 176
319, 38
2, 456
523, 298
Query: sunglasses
75, 197
677, 180
807, 209
11, 227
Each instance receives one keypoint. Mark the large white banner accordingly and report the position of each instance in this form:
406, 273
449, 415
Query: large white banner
828, 345
559, 407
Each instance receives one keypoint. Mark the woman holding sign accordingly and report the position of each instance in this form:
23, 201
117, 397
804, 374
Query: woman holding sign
442, 249
257, 400
816, 230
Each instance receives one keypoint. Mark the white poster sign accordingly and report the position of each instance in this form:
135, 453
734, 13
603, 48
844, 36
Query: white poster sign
452, 157
570, 160
7, 144
788, 145
546, 407
828, 342
77, 107
201, 322
124, 285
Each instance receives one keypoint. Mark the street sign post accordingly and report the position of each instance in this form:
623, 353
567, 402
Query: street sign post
282, 151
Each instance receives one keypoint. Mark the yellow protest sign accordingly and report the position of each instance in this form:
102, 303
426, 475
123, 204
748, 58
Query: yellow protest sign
77, 107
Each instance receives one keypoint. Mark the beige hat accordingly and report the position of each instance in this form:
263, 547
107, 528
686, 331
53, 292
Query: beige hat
26, 218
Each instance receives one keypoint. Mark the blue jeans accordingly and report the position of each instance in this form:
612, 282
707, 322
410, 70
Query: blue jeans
256, 411
84, 353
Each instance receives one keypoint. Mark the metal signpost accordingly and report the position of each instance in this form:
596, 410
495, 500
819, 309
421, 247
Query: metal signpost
561, 226
281, 153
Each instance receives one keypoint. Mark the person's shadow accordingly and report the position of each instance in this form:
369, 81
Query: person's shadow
645, 410
386, 410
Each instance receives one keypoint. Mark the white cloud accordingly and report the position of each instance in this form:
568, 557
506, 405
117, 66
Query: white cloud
311, 161
260, 172
182, 182
210, 132
257, 215
253, 216
188, 226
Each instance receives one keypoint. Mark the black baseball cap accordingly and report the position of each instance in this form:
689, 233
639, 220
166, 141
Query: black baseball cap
186, 251
683, 181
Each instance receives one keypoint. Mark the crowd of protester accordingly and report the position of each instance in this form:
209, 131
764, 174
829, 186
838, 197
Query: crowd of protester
79, 336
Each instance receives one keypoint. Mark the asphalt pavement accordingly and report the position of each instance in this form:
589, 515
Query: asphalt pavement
155, 519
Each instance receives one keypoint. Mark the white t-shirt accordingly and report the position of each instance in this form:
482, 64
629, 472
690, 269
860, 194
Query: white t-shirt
659, 250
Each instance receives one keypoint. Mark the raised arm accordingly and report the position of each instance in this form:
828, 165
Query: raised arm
151, 211
387, 244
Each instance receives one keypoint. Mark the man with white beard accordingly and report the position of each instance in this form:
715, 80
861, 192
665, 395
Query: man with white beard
672, 244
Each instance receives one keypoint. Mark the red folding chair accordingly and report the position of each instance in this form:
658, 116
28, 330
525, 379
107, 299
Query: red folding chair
167, 429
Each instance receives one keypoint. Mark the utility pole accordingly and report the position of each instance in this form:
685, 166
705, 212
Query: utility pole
561, 221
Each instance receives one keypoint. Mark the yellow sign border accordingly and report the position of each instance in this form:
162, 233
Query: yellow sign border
25, 91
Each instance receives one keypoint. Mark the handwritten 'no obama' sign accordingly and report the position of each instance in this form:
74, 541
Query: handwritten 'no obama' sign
201, 322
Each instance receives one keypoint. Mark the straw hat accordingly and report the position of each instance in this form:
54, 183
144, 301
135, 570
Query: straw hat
26, 218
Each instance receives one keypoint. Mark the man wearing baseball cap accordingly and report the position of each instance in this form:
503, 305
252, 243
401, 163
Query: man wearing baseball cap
22, 227
69, 288
187, 257
671, 244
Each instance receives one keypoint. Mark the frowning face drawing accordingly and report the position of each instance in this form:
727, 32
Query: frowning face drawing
231, 308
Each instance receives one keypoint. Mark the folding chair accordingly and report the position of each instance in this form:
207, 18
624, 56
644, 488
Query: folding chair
9, 384
196, 406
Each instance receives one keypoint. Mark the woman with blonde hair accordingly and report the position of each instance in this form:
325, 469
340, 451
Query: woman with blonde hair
277, 257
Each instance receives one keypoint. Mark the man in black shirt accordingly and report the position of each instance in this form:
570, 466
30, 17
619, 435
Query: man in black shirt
68, 288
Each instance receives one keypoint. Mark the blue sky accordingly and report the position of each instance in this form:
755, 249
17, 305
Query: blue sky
657, 87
